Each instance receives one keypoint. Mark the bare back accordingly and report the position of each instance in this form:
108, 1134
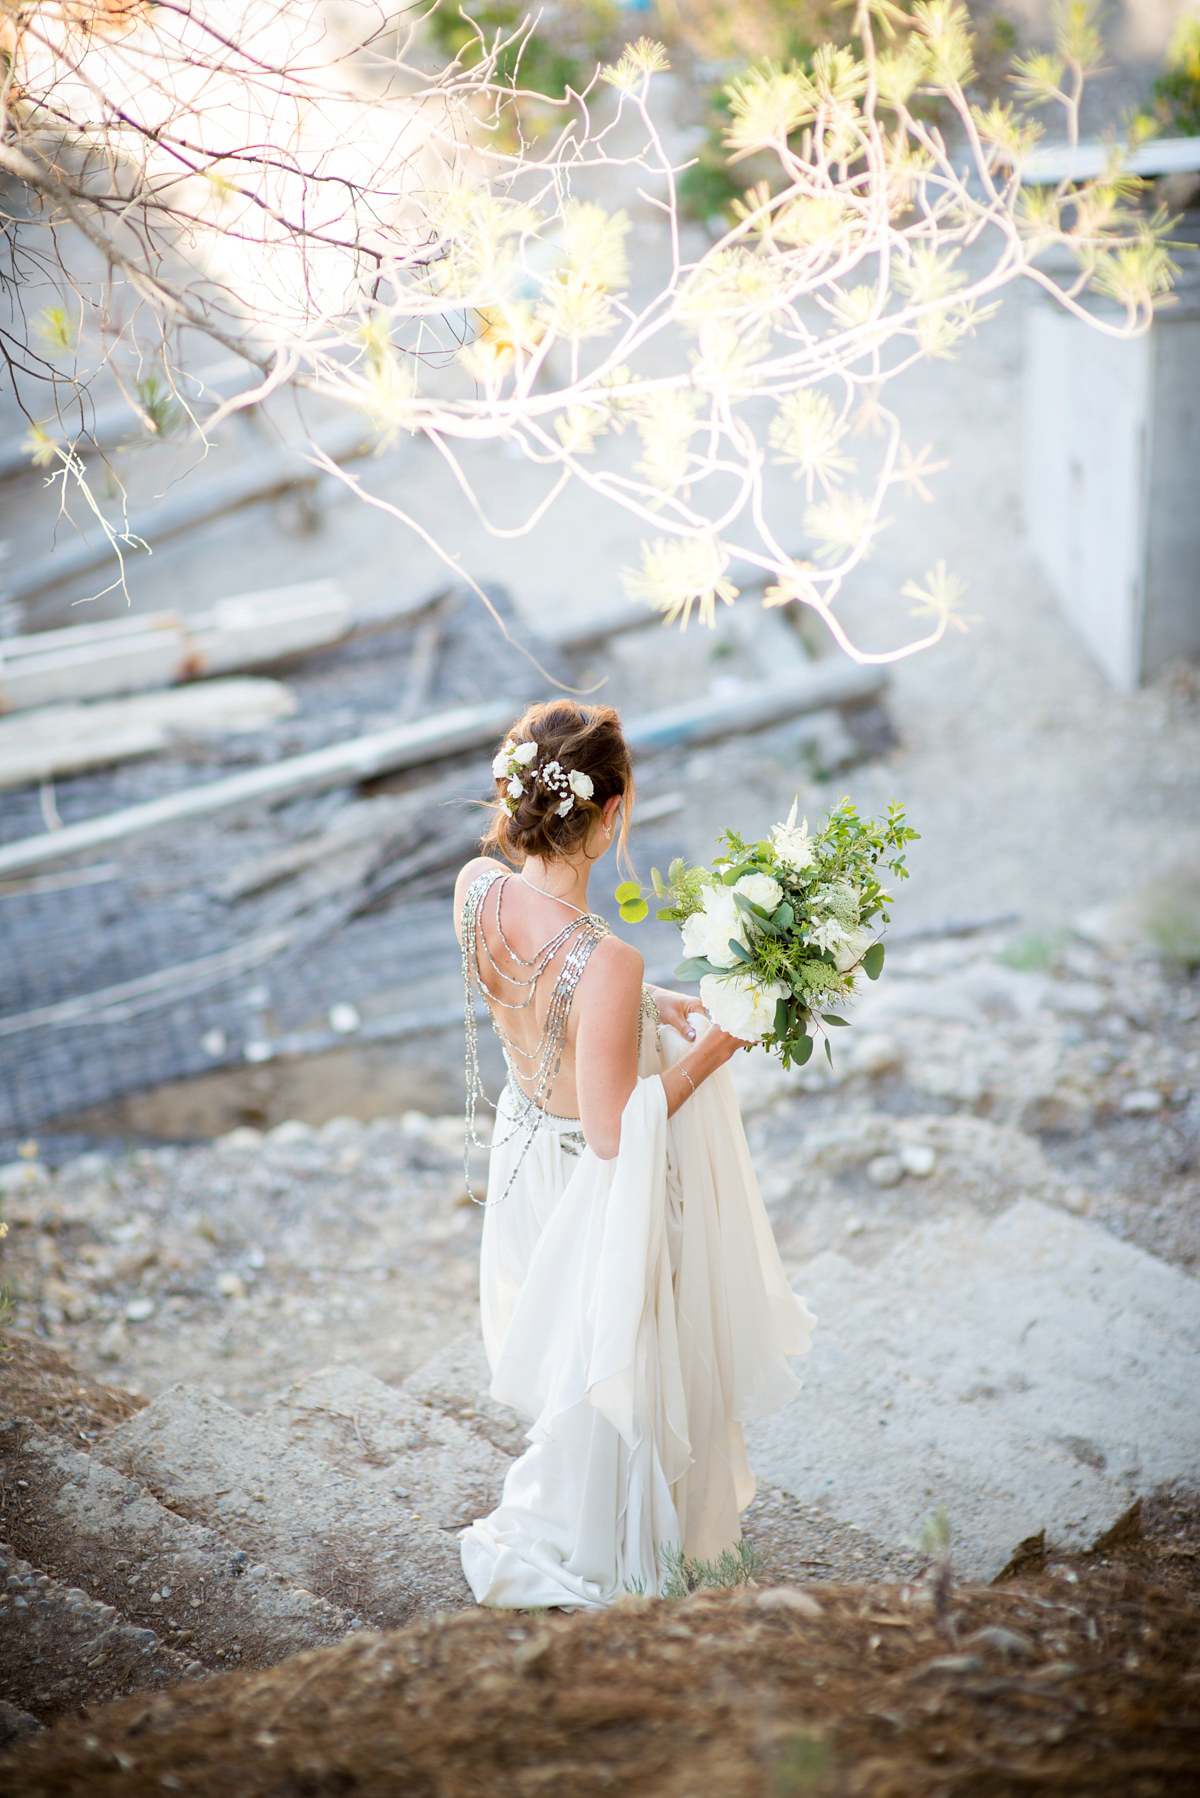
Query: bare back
546, 967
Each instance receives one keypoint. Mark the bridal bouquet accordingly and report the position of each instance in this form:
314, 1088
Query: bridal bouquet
777, 929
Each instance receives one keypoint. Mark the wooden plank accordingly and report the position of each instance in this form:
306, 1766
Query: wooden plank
129, 655
342, 764
66, 739
837, 681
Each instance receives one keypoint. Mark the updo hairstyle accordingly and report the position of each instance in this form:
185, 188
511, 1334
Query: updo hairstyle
582, 738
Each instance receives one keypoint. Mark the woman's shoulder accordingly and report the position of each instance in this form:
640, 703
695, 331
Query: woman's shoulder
618, 961
478, 864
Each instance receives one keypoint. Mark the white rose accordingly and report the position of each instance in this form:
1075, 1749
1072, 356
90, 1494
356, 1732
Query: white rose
760, 889
515, 789
580, 783
526, 753
500, 761
707, 932
852, 948
737, 1005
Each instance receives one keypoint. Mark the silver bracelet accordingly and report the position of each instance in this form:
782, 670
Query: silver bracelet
687, 1077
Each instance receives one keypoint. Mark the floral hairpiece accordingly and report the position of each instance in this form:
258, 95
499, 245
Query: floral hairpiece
514, 760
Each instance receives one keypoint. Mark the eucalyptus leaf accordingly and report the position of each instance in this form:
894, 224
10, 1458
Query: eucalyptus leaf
656, 881
695, 968
802, 1051
828, 1052
872, 961
831, 1017
634, 910
627, 891
735, 948
781, 1017
783, 916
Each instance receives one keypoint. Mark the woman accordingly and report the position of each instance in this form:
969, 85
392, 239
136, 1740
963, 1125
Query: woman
634, 1305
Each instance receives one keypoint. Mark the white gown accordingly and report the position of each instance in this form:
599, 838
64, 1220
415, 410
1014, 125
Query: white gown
637, 1312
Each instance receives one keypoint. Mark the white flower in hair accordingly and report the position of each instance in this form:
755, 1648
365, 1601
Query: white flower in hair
500, 761
580, 783
515, 789
525, 753
564, 806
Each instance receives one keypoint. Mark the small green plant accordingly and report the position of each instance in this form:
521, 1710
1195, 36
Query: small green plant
935, 1541
802, 1767
1177, 89
57, 329
158, 406
1033, 953
733, 1567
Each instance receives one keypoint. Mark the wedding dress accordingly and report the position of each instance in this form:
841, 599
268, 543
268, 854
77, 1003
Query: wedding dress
637, 1313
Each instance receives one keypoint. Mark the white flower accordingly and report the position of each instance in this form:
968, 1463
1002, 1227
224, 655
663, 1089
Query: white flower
793, 847
500, 761
736, 1004
564, 806
761, 890
515, 789
707, 932
580, 783
526, 753
827, 934
853, 947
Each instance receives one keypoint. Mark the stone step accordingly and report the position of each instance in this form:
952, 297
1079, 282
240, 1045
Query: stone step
1027, 1373
61, 1648
442, 1473
318, 1528
455, 1381
81, 1519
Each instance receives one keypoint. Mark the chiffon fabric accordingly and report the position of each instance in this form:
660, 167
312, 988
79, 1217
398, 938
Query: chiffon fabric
637, 1312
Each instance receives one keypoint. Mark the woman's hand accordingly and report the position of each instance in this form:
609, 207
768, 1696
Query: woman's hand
674, 1009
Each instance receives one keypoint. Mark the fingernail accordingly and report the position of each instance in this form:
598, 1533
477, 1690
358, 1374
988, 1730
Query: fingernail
691, 1033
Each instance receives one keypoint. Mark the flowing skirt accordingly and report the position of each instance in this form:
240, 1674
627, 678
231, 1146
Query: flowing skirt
637, 1312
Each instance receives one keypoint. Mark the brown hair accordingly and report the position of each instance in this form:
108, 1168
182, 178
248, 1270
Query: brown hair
586, 738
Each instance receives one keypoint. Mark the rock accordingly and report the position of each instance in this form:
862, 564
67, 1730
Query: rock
113, 1342
242, 1141
456, 1382
788, 1598
885, 1170
1028, 1373
292, 1130
341, 1129
95, 1524
1143, 1102
139, 1311
917, 1159
231, 1285
386, 1437
289, 1508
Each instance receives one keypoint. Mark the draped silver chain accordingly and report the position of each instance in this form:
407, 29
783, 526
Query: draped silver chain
542, 1063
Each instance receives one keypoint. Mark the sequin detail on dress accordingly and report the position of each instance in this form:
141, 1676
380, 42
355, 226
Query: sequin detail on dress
545, 1059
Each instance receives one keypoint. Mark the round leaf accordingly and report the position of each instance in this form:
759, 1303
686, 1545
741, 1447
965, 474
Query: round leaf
634, 910
627, 891
872, 961
802, 1050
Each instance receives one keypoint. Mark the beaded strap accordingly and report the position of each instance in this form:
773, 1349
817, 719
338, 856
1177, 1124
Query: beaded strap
543, 1061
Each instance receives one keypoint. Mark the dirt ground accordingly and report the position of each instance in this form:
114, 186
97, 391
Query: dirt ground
1085, 1682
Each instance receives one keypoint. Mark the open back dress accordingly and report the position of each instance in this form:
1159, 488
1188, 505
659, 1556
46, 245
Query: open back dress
634, 1310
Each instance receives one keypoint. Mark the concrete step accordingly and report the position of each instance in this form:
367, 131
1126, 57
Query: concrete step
313, 1525
442, 1473
61, 1648
455, 1382
1027, 1373
82, 1521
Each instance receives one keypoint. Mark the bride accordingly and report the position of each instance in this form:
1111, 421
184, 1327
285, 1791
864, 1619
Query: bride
635, 1309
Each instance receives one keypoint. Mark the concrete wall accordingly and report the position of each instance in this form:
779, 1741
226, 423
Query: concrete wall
1112, 483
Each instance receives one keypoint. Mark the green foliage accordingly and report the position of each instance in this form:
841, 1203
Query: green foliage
1035, 952
824, 926
802, 1767
159, 407
733, 1567
629, 897
1177, 89
559, 54
57, 330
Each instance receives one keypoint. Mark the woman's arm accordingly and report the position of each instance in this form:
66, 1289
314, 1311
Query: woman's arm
609, 996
